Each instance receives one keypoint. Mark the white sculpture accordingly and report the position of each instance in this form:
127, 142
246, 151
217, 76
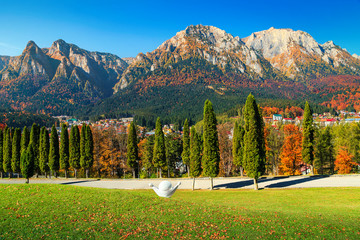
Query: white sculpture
165, 189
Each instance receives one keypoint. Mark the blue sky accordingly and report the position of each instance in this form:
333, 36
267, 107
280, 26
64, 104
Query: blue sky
126, 28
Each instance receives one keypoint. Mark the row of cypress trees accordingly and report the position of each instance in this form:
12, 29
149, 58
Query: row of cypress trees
33, 152
248, 144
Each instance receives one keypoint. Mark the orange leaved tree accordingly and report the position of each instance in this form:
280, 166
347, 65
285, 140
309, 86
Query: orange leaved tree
291, 158
344, 163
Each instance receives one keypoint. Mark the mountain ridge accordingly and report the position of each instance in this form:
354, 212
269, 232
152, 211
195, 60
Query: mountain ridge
275, 63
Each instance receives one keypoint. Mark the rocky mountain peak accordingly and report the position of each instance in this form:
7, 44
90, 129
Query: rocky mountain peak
328, 45
273, 42
32, 49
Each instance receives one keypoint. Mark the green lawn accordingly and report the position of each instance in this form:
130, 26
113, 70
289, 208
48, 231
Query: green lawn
67, 212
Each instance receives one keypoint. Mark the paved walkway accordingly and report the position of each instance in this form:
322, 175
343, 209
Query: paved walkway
204, 183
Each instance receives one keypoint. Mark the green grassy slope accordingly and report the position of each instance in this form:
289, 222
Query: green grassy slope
67, 212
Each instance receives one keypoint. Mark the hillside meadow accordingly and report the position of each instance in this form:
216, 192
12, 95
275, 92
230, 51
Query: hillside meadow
37, 211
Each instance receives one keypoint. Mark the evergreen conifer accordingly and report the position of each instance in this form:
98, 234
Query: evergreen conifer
308, 137
7, 154
132, 148
15, 158
64, 149
25, 138
211, 152
185, 155
34, 140
1, 152
195, 155
44, 148
74, 149
27, 162
54, 151
254, 143
159, 154
238, 146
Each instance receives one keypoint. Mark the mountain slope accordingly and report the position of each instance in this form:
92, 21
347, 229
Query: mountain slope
205, 62
61, 78
219, 49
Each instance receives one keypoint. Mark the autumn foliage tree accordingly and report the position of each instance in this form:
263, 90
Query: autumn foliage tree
291, 158
344, 162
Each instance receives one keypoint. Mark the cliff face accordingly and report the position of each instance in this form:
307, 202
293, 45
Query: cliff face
298, 56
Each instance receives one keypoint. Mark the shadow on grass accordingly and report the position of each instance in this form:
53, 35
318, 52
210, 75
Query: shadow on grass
286, 182
75, 182
246, 183
295, 181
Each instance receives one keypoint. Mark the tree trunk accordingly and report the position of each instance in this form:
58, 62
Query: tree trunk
168, 172
211, 183
75, 173
87, 173
18, 175
1, 173
241, 171
160, 173
27, 180
157, 172
255, 184
45, 174
134, 173
193, 184
311, 170
50, 174
188, 170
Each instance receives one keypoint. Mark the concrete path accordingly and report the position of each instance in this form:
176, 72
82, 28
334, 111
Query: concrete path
204, 183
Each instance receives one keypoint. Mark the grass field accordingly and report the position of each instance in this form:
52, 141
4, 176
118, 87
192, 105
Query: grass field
67, 212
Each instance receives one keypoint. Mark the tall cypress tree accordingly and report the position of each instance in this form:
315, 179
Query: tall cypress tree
34, 139
27, 162
159, 155
185, 155
64, 149
132, 148
1, 152
254, 143
195, 155
148, 154
44, 148
54, 151
15, 158
238, 146
82, 146
89, 149
86, 149
211, 152
25, 138
7, 151
308, 137
74, 149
